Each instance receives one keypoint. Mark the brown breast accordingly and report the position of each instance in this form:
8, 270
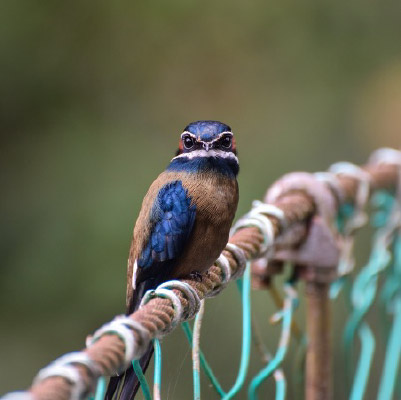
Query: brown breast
216, 199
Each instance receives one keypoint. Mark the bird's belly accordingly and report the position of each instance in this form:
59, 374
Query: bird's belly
216, 202
207, 241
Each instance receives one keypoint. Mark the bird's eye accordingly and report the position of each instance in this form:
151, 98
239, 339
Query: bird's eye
188, 141
226, 142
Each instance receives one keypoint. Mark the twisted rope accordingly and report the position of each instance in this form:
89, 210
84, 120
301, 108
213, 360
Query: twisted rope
283, 226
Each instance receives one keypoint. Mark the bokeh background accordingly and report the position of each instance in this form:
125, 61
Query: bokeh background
93, 97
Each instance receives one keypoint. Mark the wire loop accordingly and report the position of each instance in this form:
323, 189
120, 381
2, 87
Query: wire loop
123, 327
66, 371
18, 396
264, 225
224, 265
359, 217
138, 328
65, 368
80, 358
385, 155
176, 302
271, 210
331, 180
307, 183
190, 294
240, 258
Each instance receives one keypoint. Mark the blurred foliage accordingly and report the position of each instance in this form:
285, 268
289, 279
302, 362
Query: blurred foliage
93, 98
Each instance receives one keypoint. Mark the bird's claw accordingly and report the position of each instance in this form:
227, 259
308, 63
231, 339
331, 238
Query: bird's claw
196, 276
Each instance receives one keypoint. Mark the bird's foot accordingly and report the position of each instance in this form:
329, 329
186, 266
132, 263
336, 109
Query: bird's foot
196, 276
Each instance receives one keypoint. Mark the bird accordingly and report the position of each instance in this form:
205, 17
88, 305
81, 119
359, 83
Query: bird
183, 224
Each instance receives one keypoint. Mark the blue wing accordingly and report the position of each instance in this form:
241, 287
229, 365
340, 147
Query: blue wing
172, 218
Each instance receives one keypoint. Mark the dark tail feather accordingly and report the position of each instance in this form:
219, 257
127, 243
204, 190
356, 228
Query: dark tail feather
131, 383
125, 386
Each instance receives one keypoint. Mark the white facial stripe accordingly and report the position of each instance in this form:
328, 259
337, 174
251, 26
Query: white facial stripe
210, 153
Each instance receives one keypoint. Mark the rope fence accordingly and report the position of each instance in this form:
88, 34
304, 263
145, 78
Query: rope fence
308, 220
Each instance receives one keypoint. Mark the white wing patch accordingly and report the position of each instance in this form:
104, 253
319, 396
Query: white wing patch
134, 274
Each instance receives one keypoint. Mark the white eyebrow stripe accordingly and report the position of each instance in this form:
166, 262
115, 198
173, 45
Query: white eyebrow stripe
188, 133
212, 141
210, 153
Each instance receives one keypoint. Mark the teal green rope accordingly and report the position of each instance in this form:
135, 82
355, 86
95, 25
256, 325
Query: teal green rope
157, 377
244, 286
365, 361
286, 315
157, 374
336, 287
345, 214
100, 389
196, 350
281, 385
393, 354
196, 378
364, 292
280, 389
391, 296
365, 285
279, 377
142, 380
363, 295
205, 366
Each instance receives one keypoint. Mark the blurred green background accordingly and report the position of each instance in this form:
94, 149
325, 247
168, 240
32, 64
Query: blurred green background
93, 98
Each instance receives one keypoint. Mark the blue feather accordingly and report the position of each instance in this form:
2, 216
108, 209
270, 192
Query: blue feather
208, 130
172, 218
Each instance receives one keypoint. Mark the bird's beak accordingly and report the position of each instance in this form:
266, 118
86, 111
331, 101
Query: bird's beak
207, 146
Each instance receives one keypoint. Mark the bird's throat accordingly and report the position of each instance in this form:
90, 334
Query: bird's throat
191, 163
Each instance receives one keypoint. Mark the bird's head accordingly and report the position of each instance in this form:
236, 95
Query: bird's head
206, 146
207, 139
